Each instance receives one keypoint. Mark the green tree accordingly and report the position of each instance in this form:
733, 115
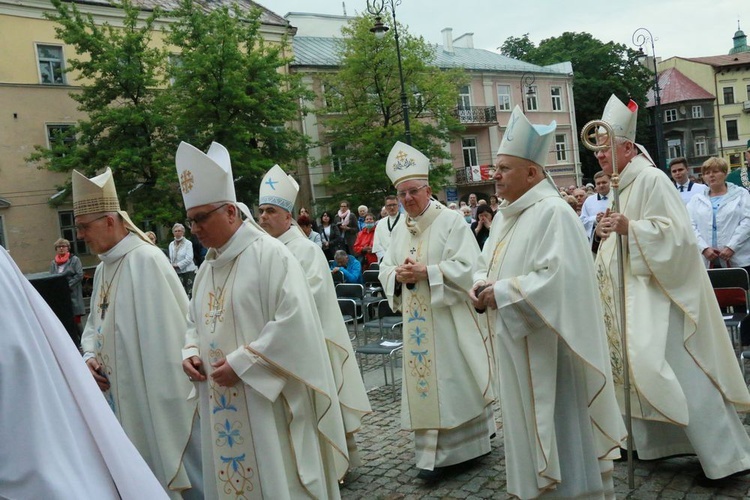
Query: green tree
121, 70
599, 70
367, 118
227, 87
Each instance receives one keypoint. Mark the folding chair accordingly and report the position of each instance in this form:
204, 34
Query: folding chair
731, 287
387, 346
338, 277
353, 291
373, 290
375, 266
349, 312
383, 319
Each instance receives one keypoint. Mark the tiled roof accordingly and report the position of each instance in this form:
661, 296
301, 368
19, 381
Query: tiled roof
322, 51
266, 16
676, 87
727, 60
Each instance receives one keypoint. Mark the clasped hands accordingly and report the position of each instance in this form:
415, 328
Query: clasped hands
482, 295
612, 222
411, 271
223, 374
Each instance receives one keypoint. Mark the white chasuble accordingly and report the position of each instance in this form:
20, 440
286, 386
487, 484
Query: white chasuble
277, 433
135, 330
561, 420
447, 367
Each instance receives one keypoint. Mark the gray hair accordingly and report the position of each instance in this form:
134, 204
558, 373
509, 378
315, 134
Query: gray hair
340, 253
178, 226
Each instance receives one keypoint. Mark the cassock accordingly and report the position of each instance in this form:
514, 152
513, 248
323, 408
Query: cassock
135, 330
274, 434
685, 380
561, 421
349, 385
593, 205
447, 380
59, 438
383, 231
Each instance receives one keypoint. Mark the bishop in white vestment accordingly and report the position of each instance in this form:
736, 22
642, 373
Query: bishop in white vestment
133, 336
271, 422
561, 421
686, 386
447, 377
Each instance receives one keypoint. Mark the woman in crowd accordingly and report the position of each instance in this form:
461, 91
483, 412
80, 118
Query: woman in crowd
181, 257
329, 235
348, 225
305, 224
68, 265
721, 218
363, 243
481, 226
305, 212
494, 203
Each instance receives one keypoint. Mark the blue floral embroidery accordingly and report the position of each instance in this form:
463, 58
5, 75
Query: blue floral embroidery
414, 316
420, 355
235, 461
418, 336
230, 434
223, 404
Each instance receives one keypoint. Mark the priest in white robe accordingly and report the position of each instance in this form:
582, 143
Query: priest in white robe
686, 386
426, 274
271, 422
386, 225
536, 285
71, 445
278, 192
133, 334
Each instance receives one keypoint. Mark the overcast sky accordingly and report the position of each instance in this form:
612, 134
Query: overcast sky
687, 28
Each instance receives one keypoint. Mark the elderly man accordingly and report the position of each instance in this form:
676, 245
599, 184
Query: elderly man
678, 168
385, 227
426, 272
685, 385
133, 335
278, 192
739, 176
348, 265
473, 205
271, 422
594, 206
181, 256
560, 417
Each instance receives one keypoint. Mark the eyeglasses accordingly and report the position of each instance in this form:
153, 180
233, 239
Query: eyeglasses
201, 218
84, 226
391, 205
411, 192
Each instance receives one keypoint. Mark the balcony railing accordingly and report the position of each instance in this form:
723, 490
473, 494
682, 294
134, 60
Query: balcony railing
464, 175
478, 115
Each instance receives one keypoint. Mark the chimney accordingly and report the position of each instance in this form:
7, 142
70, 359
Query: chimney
465, 41
447, 40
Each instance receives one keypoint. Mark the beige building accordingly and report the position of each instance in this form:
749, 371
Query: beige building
34, 97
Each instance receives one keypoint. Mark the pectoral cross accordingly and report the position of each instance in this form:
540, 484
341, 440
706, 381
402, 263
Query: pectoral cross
103, 306
215, 309
413, 251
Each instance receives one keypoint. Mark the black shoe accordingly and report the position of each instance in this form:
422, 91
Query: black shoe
431, 475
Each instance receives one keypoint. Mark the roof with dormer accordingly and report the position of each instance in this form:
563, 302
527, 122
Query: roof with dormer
676, 87
723, 60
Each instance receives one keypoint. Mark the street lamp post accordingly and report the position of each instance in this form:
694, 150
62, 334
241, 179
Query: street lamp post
527, 80
640, 37
375, 8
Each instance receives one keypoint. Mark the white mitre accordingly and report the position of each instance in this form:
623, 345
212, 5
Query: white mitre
406, 163
527, 141
621, 118
97, 195
278, 188
204, 177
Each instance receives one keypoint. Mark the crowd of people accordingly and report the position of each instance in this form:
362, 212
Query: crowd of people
251, 388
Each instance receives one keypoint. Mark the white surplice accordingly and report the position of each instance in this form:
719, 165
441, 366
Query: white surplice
276, 433
138, 342
685, 380
561, 421
383, 231
59, 438
447, 382
349, 385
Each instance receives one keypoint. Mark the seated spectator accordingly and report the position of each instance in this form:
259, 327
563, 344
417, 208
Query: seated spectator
348, 265
481, 226
363, 243
306, 225
466, 212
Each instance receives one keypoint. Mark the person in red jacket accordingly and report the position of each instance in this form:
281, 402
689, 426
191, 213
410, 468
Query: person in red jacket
363, 243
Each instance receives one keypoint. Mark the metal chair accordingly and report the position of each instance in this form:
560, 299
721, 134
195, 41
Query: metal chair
731, 287
389, 344
353, 291
375, 266
338, 277
349, 312
383, 319
373, 291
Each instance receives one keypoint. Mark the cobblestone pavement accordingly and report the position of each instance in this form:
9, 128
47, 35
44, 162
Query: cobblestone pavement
388, 471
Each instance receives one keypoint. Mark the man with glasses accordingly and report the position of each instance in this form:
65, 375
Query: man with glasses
385, 227
133, 335
426, 274
271, 422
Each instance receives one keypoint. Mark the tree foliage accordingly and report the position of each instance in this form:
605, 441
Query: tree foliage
366, 116
599, 70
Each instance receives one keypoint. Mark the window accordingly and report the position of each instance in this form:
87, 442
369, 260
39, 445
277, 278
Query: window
557, 103
334, 101
68, 231
531, 102
50, 64
675, 148
728, 95
464, 97
503, 97
561, 148
670, 115
700, 146
469, 148
732, 132
2, 233
734, 160
60, 138
339, 159
697, 112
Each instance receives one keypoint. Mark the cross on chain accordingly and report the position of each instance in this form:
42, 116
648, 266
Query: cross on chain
104, 306
215, 315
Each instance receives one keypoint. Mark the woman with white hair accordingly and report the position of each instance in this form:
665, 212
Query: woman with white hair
181, 257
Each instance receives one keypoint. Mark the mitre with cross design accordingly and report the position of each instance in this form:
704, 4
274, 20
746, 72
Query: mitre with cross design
525, 140
278, 188
406, 163
204, 177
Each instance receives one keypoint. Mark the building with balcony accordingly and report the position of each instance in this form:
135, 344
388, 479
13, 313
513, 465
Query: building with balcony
497, 84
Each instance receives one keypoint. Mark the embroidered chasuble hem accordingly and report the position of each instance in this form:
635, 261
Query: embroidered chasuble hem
181, 467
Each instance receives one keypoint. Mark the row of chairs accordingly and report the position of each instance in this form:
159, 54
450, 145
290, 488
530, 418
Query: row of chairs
732, 289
